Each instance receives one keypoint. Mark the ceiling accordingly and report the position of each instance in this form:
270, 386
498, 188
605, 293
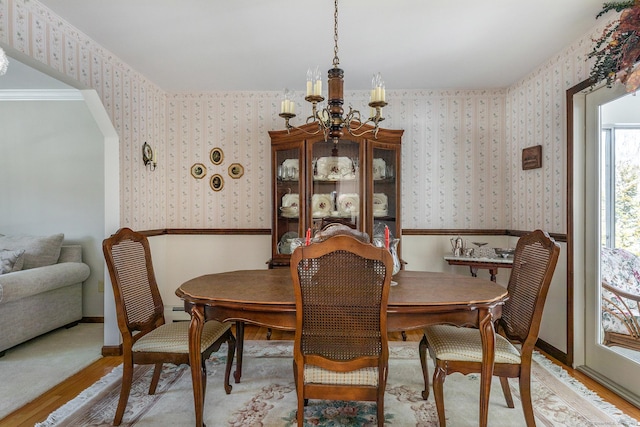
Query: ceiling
246, 45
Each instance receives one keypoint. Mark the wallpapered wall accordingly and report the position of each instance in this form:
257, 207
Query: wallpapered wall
452, 157
461, 151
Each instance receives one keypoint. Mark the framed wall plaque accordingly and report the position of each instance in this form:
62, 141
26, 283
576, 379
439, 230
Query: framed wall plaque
532, 157
216, 155
236, 170
198, 170
216, 182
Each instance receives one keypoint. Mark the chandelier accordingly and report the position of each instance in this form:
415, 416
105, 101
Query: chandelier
331, 120
4, 62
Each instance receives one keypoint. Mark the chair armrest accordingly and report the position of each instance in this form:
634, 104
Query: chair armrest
620, 293
25, 283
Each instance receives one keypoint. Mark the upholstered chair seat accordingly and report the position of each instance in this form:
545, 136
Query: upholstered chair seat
360, 377
465, 344
174, 338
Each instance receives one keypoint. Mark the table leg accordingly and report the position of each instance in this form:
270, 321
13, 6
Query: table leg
487, 333
239, 349
195, 361
493, 272
474, 271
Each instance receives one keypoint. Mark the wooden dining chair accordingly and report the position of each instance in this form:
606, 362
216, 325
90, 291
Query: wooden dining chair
341, 352
459, 349
146, 338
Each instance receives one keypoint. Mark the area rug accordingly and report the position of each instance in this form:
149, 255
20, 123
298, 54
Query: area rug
31, 368
266, 397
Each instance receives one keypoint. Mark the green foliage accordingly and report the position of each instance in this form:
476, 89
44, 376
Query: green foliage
618, 48
627, 209
618, 6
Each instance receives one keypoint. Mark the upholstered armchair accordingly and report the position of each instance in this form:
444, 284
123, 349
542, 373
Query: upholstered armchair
620, 276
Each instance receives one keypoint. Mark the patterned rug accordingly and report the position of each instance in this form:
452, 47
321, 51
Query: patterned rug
266, 397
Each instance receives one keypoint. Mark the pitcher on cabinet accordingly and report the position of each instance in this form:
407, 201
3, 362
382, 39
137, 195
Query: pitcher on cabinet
457, 246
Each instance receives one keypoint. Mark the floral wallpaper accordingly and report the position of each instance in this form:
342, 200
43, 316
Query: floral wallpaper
461, 148
451, 157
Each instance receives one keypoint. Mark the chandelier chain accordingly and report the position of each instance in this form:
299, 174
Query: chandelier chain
336, 61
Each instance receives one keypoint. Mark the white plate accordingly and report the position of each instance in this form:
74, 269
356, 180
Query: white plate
335, 168
321, 205
380, 204
348, 204
379, 169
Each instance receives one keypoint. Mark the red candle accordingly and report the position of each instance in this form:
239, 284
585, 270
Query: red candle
308, 239
386, 236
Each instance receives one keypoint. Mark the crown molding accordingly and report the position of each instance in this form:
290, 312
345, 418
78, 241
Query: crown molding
40, 95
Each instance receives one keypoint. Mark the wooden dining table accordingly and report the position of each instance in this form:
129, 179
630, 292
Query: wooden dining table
266, 298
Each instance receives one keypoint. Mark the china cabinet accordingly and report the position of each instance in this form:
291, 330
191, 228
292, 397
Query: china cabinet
354, 181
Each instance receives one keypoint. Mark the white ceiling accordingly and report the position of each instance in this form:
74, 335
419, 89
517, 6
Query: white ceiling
213, 45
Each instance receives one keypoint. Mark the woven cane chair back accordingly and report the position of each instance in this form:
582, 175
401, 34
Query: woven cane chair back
533, 266
135, 289
342, 307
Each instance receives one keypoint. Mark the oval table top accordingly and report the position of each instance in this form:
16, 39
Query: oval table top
274, 287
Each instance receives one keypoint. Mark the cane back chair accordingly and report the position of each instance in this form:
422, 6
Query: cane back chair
455, 349
341, 350
146, 338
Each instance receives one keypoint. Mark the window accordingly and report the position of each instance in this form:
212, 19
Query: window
620, 170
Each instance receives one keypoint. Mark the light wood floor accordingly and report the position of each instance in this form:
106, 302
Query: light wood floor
40, 408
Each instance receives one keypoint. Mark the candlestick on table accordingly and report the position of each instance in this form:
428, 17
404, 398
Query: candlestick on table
386, 236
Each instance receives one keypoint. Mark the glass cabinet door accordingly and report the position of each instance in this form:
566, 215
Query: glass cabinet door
288, 197
336, 190
385, 198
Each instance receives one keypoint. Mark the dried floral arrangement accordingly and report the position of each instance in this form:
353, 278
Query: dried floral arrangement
617, 51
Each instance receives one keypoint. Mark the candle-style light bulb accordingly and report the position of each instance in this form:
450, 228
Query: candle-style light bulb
287, 105
373, 89
317, 85
309, 82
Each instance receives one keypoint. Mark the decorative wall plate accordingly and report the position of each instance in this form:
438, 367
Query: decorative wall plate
147, 153
216, 155
198, 170
380, 204
321, 205
348, 204
334, 168
216, 182
236, 170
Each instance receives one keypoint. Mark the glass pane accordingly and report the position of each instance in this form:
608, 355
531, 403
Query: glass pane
336, 184
385, 211
287, 199
627, 183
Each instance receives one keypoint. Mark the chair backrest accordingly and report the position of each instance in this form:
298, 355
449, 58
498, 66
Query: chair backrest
342, 288
138, 303
534, 262
338, 229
